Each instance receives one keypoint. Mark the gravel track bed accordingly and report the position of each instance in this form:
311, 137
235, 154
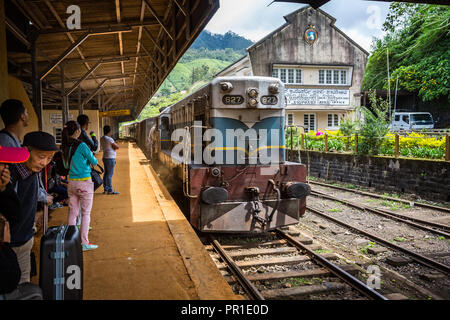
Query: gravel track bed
344, 238
397, 207
397, 232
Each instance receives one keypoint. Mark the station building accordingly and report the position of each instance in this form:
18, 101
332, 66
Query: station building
320, 65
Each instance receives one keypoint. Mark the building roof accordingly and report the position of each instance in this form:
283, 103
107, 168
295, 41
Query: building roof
124, 48
289, 17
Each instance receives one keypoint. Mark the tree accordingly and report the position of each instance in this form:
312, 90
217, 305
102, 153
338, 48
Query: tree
418, 38
374, 127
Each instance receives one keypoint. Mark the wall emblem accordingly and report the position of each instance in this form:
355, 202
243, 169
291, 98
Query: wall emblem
311, 35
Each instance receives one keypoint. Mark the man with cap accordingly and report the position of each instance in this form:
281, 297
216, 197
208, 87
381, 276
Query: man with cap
25, 179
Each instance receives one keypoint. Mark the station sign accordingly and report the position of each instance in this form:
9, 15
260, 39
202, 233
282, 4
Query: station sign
56, 118
114, 113
314, 97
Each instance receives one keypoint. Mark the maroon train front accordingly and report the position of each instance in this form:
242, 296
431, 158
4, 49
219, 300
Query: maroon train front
224, 147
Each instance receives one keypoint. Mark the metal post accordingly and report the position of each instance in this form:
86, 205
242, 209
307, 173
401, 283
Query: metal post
326, 142
447, 147
4, 91
397, 146
64, 99
100, 109
80, 102
303, 141
36, 85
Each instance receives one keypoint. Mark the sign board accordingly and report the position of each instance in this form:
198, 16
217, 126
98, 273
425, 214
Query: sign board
330, 97
115, 113
56, 118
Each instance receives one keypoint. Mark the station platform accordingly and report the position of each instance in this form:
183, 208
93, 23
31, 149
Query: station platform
147, 248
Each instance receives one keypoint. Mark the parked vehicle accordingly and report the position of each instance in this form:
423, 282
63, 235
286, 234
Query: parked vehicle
411, 121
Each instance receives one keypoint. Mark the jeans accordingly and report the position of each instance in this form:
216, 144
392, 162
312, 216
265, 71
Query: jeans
81, 195
109, 171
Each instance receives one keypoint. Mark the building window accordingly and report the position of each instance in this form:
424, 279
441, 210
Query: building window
333, 77
343, 77
288, 75
290, 119
309, 122
283, 75
321, 76
291, 76
275, 73
298, 76
333, 120
58, 135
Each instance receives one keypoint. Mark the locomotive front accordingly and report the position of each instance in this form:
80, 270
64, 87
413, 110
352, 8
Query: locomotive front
244, 183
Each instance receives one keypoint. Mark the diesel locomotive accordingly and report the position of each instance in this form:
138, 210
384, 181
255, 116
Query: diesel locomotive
224, 145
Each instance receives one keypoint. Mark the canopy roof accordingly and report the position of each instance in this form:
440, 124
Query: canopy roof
122, 52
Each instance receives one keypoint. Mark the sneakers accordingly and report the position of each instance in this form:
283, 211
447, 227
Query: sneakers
89, 246
113, 192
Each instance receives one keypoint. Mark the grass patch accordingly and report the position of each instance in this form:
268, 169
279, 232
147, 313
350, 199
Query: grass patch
321, 251
399, 239
334, 210
350, 186
368, 246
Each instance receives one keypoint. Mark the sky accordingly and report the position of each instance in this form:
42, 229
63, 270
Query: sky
254, 19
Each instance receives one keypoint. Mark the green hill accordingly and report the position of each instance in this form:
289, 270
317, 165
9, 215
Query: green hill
209, 54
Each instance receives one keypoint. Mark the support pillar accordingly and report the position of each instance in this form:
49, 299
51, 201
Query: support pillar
64, 98
80, 102
37, 85
4, 90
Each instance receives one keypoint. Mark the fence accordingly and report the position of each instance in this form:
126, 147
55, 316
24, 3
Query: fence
422, 145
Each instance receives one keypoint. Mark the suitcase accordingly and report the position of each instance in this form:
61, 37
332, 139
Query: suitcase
61, 264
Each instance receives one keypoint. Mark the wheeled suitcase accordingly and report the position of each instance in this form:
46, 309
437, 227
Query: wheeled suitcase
61, 264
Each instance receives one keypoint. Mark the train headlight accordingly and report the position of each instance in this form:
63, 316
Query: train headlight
297, 190
213, 195
252, 92
274, 88
226, 86
253, 103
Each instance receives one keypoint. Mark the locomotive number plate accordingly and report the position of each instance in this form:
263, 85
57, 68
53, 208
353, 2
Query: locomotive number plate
228, 99
269, 100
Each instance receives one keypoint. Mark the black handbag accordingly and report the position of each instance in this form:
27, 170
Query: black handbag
96, 176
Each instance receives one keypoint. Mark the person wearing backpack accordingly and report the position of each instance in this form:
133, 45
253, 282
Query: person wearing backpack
78, 158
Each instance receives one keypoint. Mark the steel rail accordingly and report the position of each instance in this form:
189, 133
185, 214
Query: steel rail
423, 205
395, 216
243, 280
337, 271
416, 256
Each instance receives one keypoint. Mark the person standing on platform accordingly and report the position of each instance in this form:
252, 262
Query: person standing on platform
109, 148
77, 158
25, 181
90, 140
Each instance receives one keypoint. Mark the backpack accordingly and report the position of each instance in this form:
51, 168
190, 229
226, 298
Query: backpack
59, 159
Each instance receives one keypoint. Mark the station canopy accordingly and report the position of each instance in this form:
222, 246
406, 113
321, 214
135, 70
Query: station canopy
318, 3
122, 50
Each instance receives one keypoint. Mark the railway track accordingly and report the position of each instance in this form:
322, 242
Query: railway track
431, 263
374, 195
301, 273
437, 228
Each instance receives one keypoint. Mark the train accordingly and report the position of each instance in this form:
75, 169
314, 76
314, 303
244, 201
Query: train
223, 146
